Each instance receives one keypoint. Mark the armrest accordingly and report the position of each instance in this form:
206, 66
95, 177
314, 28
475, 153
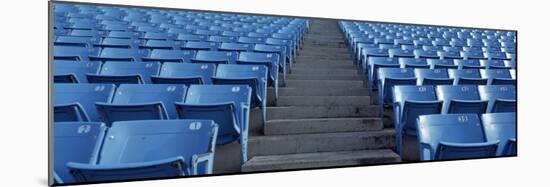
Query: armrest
200, 158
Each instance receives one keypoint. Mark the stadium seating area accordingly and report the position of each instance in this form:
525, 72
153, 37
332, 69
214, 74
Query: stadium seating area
437, 78
133, 73
147, 93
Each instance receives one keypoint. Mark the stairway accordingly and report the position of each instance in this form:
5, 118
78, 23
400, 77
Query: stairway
323, 117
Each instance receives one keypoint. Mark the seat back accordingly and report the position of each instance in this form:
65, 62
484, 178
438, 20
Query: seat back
76, 102
74, 72
218, 57
166, 55
236, 47
413, 101
185, 73
389, 77
241, 74
461, 99
75, 142
432, 77
453, 136
271, 60
501, 127
119, 54
497, 76
126, 73
73, 53
502, 98
200, 45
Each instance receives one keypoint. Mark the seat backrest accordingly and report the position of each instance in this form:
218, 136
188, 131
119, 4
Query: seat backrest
450, 128
201, 45
469, 64
139, 141
186, 70
165, 55
442, 63
501, 98
226, 46
219, 57
467, 76
251, 40
413, 63
413, 102
118, 42
495, 73
75, 41
84, 94
390, 77
448, 94
433, 76
119, 54
149, 93
501, 127
73, 53
144, 69
74, 72
162, 44
75, 142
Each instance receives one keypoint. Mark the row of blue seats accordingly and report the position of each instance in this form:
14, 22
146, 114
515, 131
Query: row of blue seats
255, 76
93, 152
410, 102
460, 136
227, 105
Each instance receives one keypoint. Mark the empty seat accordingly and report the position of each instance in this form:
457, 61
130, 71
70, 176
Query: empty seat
75, 41
74, 72
118, 54
254, 76
426, 54
142, 102
368, 53
497, 76
75, 142
453, 136
501, 127
221, 39
270, 60
239, 47
166, 55
413, 63
389, 77
118, 43
125, 73
467, 76
461, 99
469, 64
433, 77
442, 63
227, 105
410, 102
502, 98
199, 45
401, 53
185, 73
162, 44
73, 53
217, 57
134, 150
374, 63
279, 49
494, 64
191, 37
76, 102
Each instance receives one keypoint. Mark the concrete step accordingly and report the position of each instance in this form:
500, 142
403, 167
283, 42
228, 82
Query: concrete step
323, 101
323, 77
320, 160
286, 91
324, 142
325, 83
302, 112
321, 125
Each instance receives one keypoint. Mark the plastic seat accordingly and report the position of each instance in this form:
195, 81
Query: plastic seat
426, 54
495, 64
279, 49
227, 105
200, 45
400, 53
122, 34
453, 136
134, 150
75, 142
502, 98
501, 127
442, 63
290, 46
497, 76
185, 73
390, 77
251, 40
162, 44
125, 73
75, 41
118, 43
254, 76
216, 57
239, 47
469, 64
191, 37
142, 102
433, 77
74, 72
73, 53
76, 102
376, 55
220, 39
270, 60
467, 76
449, 55
461, 99
166, 55
413, 63
409, 102
375, 63
158, 36
118, 54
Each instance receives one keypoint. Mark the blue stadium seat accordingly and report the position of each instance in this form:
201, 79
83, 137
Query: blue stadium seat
400, 53
254, 76
122, 34
449, 54
467, 76
73, 53
494, 64
142, 102
220, 39
426, 54
134, 150
442, 63
167, 55
501, 127
191, 37
201, 45
414, 63
389, 77
239, 47
158, 36
433, 77
227, 105
279, 49
461, 99
374, 63
409, 102
74, 72
185, 73
76, 102
118, 43
497, 76
271, 60
75, 142
291, 48
453, 136
125, 73
75, 41
118, 54
216, 57
502, 98
251, 40
162, 44
469, 64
